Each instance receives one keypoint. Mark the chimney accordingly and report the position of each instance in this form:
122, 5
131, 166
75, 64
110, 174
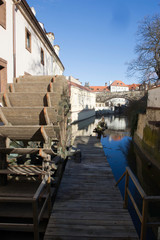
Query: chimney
106, 84
86, 84
57, 48
33, 10
51, 37
42, 26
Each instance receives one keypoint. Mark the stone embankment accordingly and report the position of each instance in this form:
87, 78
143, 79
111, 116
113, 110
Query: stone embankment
147, 135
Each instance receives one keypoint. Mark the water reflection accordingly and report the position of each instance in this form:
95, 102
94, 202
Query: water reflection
86, 127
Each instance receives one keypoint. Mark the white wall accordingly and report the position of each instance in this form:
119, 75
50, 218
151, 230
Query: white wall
30, 62
6, 41
154, 97
56, 68
118, 89
83, 103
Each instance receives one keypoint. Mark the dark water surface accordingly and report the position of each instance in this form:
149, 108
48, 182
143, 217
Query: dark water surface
121, 152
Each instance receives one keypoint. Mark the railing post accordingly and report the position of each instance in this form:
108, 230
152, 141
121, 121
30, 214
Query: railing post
49, 199
35, 220
144, 219
126, 193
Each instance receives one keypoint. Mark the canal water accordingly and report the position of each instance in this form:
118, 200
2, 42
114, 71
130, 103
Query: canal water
121, 152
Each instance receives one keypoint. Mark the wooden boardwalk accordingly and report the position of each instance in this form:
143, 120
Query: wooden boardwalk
88, 206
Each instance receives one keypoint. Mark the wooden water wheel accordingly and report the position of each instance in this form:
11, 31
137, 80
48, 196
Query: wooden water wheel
34, 129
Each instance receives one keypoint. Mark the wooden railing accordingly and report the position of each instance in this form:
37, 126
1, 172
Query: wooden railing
37, 214
146, 199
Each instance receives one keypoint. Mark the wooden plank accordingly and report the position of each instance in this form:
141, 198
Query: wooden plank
24, 151
27, 115
32, 79
27, 99
88, 205
27, 132
35, 87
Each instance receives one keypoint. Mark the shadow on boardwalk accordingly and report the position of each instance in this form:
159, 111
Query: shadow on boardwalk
88, 205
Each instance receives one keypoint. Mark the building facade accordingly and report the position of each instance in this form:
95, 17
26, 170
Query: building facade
25, 46
82, 100
118, 86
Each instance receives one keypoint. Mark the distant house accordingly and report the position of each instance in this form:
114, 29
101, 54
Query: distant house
99, 88
134, 87
118, 86
25, 46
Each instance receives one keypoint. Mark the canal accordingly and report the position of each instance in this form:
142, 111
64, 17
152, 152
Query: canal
121, 152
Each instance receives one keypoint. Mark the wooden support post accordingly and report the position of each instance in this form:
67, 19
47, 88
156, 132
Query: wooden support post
144, 219
48, 100
12, 89
51, 87
126, 193
44, 134
49, 198
3, 118
3, 162
6, 100
35, 220
158, 234
46, 116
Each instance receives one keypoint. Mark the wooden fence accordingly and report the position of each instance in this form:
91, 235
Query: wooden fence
143, 216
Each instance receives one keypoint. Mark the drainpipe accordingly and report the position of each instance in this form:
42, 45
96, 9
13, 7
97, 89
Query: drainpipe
15, 3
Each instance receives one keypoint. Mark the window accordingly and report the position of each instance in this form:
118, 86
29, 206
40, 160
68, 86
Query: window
3, 13
42, 56
28, 40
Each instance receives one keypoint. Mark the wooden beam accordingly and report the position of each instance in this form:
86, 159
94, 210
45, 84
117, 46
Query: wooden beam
6, 100
46, 116
20, 151
24, 151
28, 133
51, 87
3, 162
11, 87
44, 134
48, 100
3, 118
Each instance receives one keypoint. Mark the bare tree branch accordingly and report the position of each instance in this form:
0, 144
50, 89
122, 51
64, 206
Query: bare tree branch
148, 50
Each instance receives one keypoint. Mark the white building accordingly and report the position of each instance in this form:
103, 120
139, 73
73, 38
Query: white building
82, 100
25, 47
118, 86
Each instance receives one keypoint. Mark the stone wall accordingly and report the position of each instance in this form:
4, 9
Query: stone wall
147, 135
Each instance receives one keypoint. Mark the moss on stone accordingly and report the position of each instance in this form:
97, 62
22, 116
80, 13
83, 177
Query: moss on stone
151, 140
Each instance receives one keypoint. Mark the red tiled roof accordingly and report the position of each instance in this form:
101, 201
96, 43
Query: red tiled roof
119, 83
99, 88
133, 86
79, 86
155, 87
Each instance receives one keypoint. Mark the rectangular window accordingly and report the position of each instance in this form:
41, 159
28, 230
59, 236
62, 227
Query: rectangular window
42, 56
28, 40
3, 13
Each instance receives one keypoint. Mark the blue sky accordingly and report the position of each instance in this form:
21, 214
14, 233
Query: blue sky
96, 37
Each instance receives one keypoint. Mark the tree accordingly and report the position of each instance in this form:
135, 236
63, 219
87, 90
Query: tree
148, 50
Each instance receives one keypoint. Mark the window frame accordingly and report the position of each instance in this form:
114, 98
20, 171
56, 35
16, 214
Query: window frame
3, 16
42, 58
27, 33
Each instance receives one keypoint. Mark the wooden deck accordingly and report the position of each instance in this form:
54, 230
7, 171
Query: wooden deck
88, 206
